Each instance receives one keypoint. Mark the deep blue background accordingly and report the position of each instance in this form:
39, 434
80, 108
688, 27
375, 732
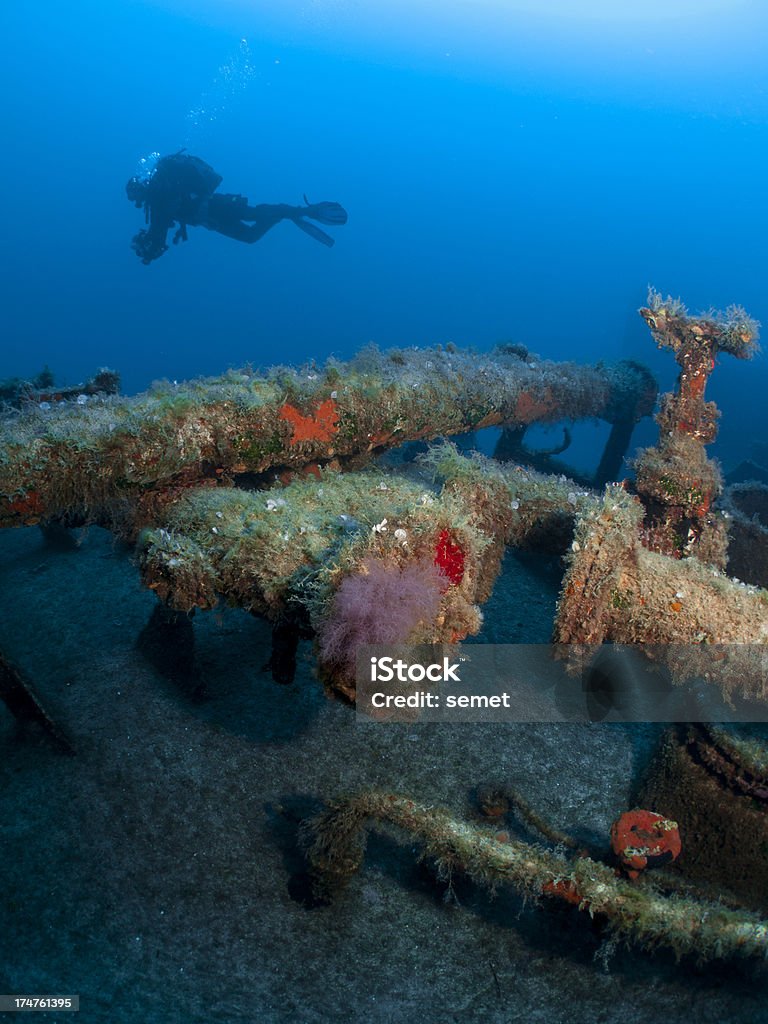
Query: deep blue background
506, 176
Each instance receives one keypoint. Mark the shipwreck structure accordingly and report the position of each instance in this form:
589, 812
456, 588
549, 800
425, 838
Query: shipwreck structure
265, 491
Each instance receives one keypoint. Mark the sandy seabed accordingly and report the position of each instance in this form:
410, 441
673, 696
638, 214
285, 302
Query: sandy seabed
156, 871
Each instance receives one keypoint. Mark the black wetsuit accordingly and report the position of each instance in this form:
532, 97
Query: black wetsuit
181, 192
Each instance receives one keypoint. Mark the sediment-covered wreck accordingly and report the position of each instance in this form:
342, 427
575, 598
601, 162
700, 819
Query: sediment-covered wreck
268, 491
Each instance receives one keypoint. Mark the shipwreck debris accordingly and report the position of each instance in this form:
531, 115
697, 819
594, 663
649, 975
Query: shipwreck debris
42, 390
354, 558
714, 783
675, 480
686, 614
630, 576
643, 839
19, 696
640, 914
358, 557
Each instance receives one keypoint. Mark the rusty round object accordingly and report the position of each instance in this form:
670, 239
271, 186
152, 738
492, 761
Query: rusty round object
643, 839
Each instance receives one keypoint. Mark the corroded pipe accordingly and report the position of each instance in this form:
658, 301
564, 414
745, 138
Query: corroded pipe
640, 914
119, 461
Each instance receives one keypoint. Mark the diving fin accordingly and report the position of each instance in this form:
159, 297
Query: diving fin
314, 231
326, 213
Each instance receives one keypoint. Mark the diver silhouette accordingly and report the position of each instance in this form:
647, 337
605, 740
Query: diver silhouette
180, 189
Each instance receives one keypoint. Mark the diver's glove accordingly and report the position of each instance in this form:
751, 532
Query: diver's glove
326, 213
147, 248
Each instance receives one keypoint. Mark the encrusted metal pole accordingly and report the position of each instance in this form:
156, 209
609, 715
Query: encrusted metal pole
119, 462
336, 847
675, 480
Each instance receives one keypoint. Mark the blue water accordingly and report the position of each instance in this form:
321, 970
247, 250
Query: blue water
511, 171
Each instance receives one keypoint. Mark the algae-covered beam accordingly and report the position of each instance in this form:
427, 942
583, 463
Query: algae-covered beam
639, 914
513, 505
95, 462
621, 587
358, 557
688, 615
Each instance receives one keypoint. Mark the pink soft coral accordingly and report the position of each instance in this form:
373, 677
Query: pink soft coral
382, 604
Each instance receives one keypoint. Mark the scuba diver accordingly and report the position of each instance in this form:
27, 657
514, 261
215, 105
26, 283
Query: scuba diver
181, 190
